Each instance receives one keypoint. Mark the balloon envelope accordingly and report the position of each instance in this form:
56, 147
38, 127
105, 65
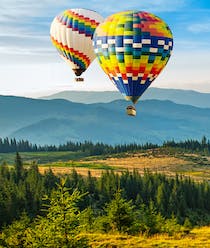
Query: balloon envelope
132, 48
71, 33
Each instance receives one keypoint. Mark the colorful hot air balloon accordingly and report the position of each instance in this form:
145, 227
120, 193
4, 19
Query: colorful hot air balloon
132, 48
71, 33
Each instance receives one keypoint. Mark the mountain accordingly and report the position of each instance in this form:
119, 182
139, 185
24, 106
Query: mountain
188, 97
19, 112
57, 121
86, 96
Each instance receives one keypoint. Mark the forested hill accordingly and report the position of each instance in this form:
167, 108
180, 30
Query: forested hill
12, 145
45, 210
58, 121
178, 96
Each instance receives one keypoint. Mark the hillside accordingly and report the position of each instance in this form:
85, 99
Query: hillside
20, 112
167, 160
195, 166
57, 121
188, 97
150, 209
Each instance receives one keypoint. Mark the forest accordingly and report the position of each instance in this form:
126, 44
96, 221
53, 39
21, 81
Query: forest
48, 210
8, 145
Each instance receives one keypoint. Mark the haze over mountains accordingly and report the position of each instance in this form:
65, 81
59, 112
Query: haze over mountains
57, 121
188, 97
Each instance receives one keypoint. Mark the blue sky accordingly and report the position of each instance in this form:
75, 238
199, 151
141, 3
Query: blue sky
29, 64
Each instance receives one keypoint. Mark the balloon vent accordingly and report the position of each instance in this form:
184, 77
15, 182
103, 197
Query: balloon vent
131, 110
79, 79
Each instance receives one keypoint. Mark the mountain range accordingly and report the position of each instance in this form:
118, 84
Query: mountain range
188, 97
57, 121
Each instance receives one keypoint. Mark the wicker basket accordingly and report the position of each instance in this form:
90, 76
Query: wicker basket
131, 110
79, 79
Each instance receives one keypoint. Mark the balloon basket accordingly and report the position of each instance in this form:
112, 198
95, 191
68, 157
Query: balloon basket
79, 79
130, 110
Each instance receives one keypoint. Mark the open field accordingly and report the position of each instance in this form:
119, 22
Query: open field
187, 165
42, 157
198, 237
139, 162
193, 165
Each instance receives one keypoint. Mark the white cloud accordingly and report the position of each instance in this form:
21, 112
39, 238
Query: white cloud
23, 18
191, 45
24, 8
23, 40
111, 6
200, 27
34, 79
153, 6
21, 56
186, 70
15, 47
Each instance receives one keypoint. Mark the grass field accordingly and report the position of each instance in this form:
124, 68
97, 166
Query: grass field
42, 157
193, 165
167, 164
198, 238
170, 165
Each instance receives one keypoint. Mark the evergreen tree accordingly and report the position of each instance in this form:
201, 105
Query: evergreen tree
60, 227
18, 167
120, 214
14, 235
161, 198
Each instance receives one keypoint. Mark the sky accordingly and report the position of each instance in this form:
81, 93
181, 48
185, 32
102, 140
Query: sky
31, 66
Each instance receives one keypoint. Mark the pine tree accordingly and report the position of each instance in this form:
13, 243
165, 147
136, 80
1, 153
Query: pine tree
204, 141
120, 213
161, 198
60, 227
19, 170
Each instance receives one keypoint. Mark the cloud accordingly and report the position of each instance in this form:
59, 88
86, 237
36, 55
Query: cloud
19, 39
22, 13
148, 5
186, 70
24, 8
35, 16
200, 27
24, 25
19, 45
111, 6
192, 45
29, 16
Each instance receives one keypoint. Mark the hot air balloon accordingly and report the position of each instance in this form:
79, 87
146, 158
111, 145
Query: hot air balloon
71, 33
132, 48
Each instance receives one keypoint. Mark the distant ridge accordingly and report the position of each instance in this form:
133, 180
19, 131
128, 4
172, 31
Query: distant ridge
86, 96
57, 121
188, 97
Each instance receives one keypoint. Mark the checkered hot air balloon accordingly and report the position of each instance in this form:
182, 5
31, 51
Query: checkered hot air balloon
71, 33
132, 48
